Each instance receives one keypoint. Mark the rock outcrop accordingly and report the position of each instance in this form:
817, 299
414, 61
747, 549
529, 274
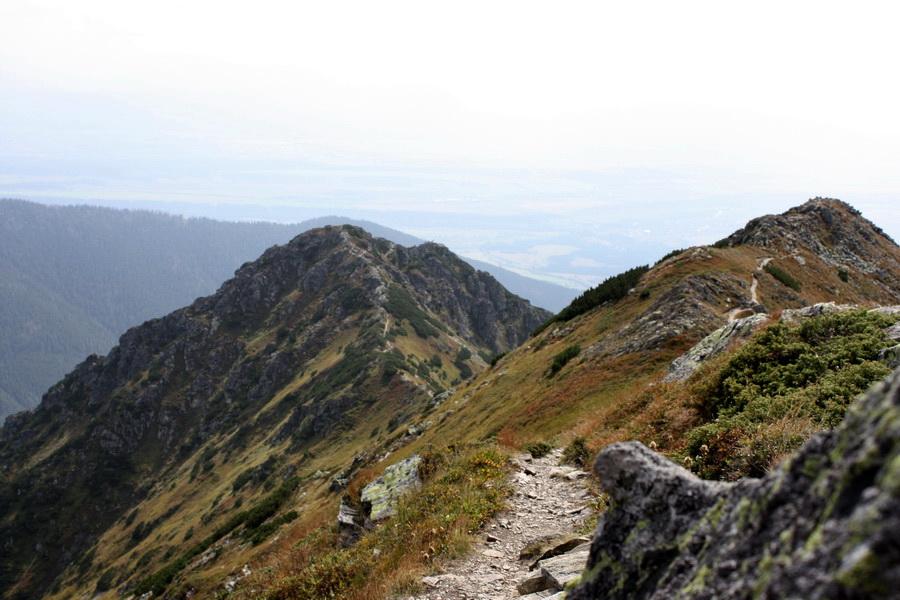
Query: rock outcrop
833, 231
825, 524
380, 496
739, 330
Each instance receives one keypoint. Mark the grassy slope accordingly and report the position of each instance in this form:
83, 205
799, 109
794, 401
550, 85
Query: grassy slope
198, 496
515, 402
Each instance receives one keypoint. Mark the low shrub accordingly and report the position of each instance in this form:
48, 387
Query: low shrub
783, 276
563, 358
611, 289
577, 452
783, 385
538, 449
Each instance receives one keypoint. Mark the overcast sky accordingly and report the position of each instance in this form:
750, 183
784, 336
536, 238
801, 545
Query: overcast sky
553, 114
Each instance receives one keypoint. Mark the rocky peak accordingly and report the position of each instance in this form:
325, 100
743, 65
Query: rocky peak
831, 229
288, 353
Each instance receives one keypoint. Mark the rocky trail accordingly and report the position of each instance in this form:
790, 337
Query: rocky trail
547, 511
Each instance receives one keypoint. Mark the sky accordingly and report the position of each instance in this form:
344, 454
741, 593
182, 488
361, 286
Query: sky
565, 140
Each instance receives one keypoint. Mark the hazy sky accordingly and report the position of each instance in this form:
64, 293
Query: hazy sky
499, 128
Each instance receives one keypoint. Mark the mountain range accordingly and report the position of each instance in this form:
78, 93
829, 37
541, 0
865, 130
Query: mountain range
234, 431
74, 278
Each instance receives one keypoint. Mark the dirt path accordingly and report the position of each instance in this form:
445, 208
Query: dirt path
760, 264
548, 501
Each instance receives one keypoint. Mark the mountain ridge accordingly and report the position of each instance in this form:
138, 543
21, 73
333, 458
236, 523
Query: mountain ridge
315, 399
74, 278
336, 299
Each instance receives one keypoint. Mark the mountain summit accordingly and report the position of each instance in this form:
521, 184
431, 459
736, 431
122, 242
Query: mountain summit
831, 229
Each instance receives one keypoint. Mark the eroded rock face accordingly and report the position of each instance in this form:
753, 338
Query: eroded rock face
826, 524
713, 344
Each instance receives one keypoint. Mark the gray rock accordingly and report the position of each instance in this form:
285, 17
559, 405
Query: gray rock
715, 343
382, 494
823, 525
570, 545
562, 569
893, 332
347, 516
890, 356
534, 581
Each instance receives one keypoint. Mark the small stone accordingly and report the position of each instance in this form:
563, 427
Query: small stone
538, 595
492, 554
560, 472
576, 475
491, 539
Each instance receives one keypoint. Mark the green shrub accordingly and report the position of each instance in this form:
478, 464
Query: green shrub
106, 581
785, 383
783, 276
538, 449
577, 452
561, 359
496, 358
400, 304
844, 275
669, 255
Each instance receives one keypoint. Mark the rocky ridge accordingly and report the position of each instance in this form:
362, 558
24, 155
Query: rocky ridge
285, 356
832, 230
823, 240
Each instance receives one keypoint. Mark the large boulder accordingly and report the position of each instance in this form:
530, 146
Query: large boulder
826, 524
382, 494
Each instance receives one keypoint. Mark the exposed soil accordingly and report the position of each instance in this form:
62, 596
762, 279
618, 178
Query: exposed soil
549, 501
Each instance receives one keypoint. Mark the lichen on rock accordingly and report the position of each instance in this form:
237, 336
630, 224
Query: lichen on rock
825, 524
382, 494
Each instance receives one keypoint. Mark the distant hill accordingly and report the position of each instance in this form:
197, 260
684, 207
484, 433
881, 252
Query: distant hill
74, 278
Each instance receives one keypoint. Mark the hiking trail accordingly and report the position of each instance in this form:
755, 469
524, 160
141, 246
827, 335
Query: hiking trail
550, 505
